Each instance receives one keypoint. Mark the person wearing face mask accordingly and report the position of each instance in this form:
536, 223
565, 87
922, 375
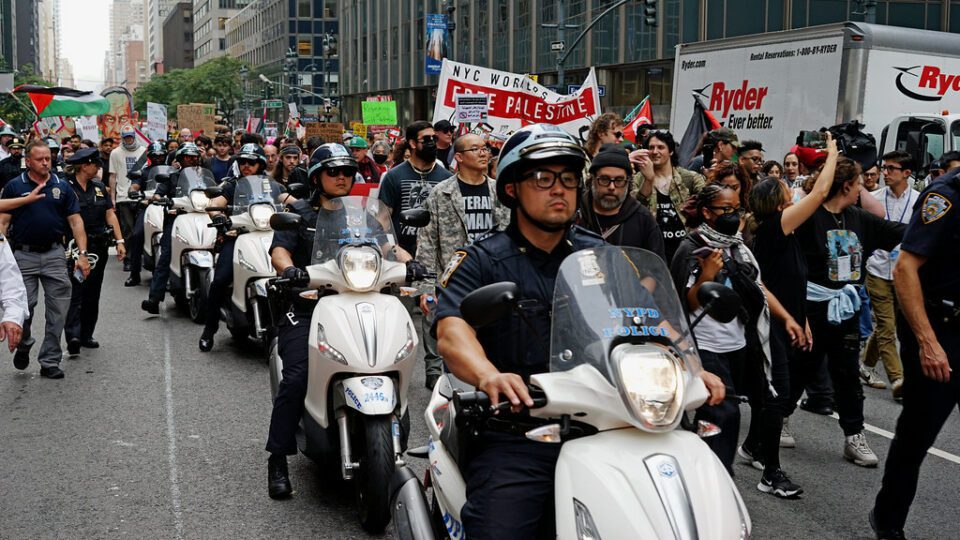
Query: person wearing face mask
836, 242
407, 185
381, 156
664, 187
736, 351
610, 211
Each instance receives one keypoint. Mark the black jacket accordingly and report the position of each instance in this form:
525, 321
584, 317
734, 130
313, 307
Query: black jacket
633, 226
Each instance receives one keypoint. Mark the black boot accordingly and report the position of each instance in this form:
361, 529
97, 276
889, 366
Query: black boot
278, 479
151, 306
206, 340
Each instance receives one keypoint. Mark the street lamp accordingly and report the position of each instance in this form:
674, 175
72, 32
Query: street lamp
244, 71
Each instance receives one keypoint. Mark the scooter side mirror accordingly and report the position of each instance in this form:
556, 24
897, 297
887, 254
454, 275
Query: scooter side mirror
162, 177
213, 192
489, 303
719, 301
284, 221
415, 217
299, 191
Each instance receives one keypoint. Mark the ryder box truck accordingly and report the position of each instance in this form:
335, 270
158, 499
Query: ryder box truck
902, 83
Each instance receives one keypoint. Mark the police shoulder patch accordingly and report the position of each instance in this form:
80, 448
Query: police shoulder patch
935, 206
455, 260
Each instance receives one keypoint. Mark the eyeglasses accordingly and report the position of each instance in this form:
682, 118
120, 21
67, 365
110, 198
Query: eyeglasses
428, 138
727, 209
891, 168
546, 179
756, 159
341, 171
618, 181
479, 150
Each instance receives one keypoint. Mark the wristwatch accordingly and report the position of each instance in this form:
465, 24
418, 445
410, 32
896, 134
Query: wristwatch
82, 253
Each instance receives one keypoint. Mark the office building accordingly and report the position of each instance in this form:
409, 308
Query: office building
209, 27
28, 34
383, 41
124, 14
155, 13
8, 35
178, 37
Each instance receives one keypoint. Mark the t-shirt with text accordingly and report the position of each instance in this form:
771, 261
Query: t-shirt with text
123, 161
403, 188
477, 208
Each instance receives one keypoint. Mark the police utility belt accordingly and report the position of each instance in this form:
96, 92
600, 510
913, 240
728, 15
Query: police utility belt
945, 311
37, 248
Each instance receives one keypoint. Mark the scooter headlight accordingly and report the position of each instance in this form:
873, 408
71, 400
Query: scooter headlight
260, 215
199, 199
360, 266
650, 382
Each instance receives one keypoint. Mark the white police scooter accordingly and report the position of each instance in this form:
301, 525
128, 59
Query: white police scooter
191, 248
623, 371
153, 213
362, 350
254, 203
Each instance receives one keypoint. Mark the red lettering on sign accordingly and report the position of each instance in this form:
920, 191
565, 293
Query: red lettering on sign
743, 98
528, 108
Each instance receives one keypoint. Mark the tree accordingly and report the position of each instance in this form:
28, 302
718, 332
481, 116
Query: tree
216, 81
20, 113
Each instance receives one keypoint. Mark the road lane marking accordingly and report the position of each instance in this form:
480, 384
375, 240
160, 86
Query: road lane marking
171, 436
884, 433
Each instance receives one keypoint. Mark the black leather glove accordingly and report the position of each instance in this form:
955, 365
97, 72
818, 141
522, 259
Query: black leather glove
134, 194
221, 221
296, 276
415, 271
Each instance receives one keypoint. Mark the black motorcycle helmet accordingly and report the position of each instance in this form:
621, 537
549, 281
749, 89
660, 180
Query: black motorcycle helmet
530, 145
253, 152
157, 153
329, 156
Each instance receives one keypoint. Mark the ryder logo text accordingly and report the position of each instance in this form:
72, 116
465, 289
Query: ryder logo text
740, 98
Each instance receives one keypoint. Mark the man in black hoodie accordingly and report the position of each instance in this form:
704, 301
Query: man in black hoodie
608, 208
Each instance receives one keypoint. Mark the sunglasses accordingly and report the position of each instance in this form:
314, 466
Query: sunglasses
428, 138
341, 171
249, 162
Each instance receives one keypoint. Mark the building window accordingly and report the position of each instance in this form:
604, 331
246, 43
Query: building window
303, 9
304, 47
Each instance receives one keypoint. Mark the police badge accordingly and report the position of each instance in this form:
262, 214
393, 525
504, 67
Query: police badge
935, 206
56, 192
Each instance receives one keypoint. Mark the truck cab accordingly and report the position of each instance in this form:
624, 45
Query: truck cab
924, 136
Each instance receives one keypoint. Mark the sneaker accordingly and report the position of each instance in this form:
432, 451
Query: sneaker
869, 378
897, 388
856, 449
786, 437
748, 458
778, 484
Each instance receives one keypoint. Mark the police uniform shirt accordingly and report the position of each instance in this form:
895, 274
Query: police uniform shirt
13, 294
94, 204
934, 233
41, 222
510, 344
229, 187
298, 243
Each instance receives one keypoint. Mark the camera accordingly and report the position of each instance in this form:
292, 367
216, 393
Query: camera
812, 139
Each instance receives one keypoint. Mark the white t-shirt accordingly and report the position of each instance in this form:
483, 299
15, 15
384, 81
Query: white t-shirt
122, 162
899, 209
715, 336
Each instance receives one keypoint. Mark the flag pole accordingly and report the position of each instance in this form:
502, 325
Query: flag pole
635, 109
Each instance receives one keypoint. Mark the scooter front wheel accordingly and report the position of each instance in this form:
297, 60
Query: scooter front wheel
377, 465
198, 302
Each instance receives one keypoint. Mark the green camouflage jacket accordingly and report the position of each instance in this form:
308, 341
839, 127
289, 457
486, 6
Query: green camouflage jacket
685, 183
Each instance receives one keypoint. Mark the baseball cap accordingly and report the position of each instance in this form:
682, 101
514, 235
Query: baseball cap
443, 125
726, 135
127, 131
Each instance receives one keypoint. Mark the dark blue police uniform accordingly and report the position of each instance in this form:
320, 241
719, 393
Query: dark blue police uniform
85, 300
36, 235
933, 233
510, 478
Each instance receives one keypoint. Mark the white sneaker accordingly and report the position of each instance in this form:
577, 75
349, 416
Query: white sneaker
856, 449
897, 388
786, 437
869, 378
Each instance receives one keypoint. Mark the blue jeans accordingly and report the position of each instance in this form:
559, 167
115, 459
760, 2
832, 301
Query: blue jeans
866, 317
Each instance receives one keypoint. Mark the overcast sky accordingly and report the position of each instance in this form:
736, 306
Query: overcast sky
86, 34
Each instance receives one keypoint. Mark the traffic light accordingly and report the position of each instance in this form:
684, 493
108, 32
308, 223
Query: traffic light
650, 12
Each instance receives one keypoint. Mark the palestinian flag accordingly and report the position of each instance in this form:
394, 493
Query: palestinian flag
701, 122
59, 101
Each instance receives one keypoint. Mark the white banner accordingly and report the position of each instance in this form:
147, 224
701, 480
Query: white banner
763, 93
516, 100
156, 121
87, 128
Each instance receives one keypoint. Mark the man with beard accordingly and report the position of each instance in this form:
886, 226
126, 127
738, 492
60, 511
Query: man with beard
407, 185
14, 164
609, 211
750, 159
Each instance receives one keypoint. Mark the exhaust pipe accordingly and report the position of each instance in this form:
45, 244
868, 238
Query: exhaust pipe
411, 515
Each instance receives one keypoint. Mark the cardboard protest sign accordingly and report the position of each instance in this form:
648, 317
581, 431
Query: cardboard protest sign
197, 117
327, 131
516, 101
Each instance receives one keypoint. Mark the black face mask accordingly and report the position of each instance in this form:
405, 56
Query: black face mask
380, 158
427, 151
727, 224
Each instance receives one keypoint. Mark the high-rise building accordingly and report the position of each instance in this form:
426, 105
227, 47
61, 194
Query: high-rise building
49, 39
209, 27
178, 37
28, 34
155, 13
8, 35
383, 42
123, 15
293, 44
66, 74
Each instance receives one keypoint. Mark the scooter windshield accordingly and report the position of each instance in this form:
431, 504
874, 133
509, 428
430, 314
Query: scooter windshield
193, 178
353, 221
254, 190
610, 295
152, 176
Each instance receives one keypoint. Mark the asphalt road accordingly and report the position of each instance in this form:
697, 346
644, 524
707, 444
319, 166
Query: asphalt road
148, 438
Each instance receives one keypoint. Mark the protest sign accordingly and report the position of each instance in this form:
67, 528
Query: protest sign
87, 128
270, 130
197, 117
471, 108
360, 130
156, 121
516, 101
379, 112
328, 132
